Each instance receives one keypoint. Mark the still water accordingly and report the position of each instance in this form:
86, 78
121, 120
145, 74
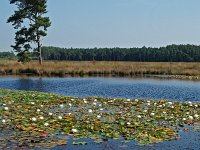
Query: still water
178, 90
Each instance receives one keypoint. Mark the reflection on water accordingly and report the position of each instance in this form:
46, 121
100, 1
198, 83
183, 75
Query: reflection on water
109, 87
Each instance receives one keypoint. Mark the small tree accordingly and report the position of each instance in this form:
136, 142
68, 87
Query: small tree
31, 24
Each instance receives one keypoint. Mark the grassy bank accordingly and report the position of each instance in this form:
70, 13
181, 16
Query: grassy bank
81, 68
32, 119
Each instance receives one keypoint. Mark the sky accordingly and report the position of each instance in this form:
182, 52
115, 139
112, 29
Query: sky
113, 23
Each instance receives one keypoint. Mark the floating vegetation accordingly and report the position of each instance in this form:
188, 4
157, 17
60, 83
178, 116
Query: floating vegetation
42, 120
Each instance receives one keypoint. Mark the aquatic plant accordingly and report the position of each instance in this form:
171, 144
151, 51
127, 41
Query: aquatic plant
43, 120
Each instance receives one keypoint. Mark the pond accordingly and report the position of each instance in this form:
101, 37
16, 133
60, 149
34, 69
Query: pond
146, 88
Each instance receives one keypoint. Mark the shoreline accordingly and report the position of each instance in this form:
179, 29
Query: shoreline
67, 75
174, 70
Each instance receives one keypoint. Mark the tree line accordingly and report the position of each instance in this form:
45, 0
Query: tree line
170, 53
7, 56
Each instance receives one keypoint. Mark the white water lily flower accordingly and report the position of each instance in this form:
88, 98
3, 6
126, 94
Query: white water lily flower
196, 105
189, 102
101, 109
6, 108
38, 110
98, 116
94, 103
170, 103
163, 105
196, 116
60, 117
72, 99
136, 100
42, 105
95, 100
32, 103
187, 113
155, 104
85, 101
190, 105
128, 123
74, 130
90, 111
190, 117
50, 114
139, 116
41, 117
172, 106
128, 100
3, 121
152, 114
100, 105
164, 112
145, 110
33, 119
148, 104
148, 101
61, 106
46, 124
184, 119
70, 104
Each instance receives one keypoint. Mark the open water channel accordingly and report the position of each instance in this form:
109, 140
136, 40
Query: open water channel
177, 90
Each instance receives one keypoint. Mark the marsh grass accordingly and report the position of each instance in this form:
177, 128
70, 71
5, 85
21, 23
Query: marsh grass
81, 68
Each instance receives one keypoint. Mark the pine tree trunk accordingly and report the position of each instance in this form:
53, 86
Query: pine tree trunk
39, 50
40, 55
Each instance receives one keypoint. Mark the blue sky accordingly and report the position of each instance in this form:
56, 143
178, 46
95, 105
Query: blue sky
114, 23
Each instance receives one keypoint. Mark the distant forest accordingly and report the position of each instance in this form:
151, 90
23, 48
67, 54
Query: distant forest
7, 56
170, 53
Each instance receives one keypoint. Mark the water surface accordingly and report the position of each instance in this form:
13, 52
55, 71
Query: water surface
180, 90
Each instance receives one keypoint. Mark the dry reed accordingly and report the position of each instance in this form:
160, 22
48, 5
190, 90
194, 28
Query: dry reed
99, 67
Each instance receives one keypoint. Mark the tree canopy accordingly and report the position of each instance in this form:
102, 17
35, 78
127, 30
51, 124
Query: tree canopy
7, 55
170, 53
31, 26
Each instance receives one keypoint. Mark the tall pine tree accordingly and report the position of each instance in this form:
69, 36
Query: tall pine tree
31, 24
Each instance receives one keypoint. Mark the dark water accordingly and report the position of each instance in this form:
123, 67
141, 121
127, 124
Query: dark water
178, 90
188, 141
109, 87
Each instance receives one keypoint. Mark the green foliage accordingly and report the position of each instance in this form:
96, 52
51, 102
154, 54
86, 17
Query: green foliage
7, 55
171, 53
24, 57
31, 25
